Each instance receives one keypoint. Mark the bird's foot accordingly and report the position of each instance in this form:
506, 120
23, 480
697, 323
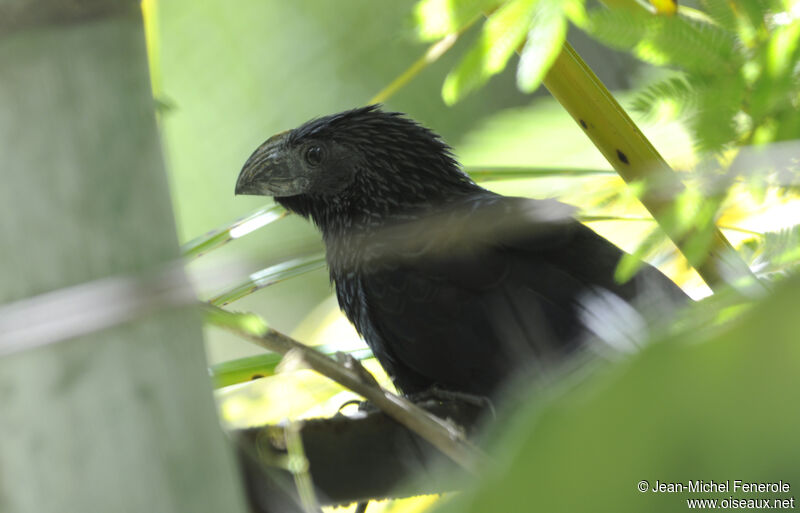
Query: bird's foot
440, 394
362, 407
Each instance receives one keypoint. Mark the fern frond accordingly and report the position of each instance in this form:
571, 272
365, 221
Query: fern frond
756, 11
689, 44
674, 90
618, 28
775, 252
722, 12
715, 123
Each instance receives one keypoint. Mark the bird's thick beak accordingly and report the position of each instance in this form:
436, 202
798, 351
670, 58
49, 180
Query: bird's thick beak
268, 171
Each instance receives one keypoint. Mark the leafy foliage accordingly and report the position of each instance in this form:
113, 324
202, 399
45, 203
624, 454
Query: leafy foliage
548, 29
538, 24
737, 80
775, 252
738, 76
436, 19
502, 33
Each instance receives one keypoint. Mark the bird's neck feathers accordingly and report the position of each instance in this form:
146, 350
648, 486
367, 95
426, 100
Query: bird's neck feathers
353, 222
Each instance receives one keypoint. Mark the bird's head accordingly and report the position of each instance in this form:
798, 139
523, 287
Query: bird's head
364, 161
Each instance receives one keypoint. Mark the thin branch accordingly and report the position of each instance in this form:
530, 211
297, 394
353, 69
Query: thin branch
430, 56
443, 435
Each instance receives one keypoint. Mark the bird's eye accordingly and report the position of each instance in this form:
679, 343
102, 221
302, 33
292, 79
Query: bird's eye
314, 155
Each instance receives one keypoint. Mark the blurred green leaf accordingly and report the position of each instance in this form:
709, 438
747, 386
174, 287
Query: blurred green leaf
242, 370
630, 263
675, 91
546, 36
269, 276
722, 13
740, 62
487, 173
716, 122
711, 405
755, 14
502, 34
774, 252
618, 28
239, 228
691, 44
777, 85
436, 19
247, 322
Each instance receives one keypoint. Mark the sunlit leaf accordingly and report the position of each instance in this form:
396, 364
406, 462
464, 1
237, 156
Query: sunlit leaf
680, 41
776, 88
246, 322
547, 34
234, 372
774, 252
436, 19
618, 28
242, 370
502, 34
674, 92
715, 123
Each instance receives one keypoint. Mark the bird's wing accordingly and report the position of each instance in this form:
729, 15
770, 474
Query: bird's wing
461, 313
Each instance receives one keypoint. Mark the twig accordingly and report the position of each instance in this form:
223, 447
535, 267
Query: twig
443, 435
431, 55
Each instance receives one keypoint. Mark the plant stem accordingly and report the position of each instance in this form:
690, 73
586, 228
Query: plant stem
621, 142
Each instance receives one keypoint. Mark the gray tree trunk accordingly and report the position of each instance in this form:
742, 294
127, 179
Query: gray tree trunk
121, 420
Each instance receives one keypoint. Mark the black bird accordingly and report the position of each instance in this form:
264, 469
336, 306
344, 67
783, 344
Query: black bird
451, 285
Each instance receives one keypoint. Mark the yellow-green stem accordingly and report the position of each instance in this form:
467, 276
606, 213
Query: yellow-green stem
621, 142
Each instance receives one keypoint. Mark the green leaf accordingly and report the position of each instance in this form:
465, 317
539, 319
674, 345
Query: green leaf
270, 276
715, 123
242, 370
630, 264
690, 44
675, 91
721, 12
755, 12
618, 28
436, 19
488, 173
711, 402
545, 38
247, 322
502, 34
774, 252
216, 238
776, 88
